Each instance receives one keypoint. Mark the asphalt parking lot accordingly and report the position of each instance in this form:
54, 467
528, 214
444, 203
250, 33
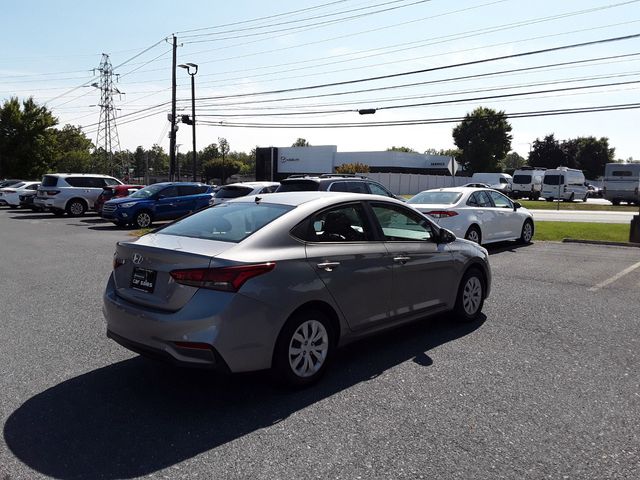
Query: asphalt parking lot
546, 386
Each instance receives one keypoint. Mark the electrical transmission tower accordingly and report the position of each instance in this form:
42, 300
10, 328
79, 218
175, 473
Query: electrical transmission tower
107, 138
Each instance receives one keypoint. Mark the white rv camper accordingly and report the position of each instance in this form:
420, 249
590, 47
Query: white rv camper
621, 182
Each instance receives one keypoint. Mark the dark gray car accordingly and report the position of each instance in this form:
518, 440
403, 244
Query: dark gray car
280, 281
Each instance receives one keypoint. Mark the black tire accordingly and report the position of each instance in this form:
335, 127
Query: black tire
143, 219
474, 234
550, 199
76, 208
536, 196
471, 293
615, 201
298, 369
527, 232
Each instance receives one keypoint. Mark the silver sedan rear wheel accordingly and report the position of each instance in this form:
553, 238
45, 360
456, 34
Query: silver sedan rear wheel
308, 348
303, 348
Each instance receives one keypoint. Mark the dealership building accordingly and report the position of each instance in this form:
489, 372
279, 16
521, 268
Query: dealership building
276, 163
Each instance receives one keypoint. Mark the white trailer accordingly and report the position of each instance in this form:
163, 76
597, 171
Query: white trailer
621, 182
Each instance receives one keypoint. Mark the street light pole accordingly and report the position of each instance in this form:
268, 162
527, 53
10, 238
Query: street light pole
188, 67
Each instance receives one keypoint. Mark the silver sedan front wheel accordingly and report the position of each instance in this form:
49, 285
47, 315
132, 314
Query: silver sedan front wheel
470, 295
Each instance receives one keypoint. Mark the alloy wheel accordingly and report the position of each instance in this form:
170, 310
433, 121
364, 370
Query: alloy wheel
472, 295
527, 232
143, 220
308, 348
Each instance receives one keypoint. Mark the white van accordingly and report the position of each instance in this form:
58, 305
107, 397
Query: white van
621, 182
564, 183
497, 181
527, 182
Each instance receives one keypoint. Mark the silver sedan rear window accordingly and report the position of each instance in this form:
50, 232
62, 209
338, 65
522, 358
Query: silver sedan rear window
227, 222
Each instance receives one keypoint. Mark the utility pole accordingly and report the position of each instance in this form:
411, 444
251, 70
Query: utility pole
172, 119
107, 137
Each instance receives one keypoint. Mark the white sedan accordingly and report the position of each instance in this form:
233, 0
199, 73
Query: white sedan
11, 195
481, 215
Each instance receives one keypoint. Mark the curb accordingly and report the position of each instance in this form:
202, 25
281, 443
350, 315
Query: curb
601, 242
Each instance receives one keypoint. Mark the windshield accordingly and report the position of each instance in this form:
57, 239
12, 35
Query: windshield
227, 222
147, 192
435, 197
522, 179
553, 179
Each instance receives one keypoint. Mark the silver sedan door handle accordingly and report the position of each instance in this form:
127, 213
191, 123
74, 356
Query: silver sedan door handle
401, 259
328, 266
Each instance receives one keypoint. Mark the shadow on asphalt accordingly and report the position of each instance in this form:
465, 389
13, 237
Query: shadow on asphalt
136, 417
502, 247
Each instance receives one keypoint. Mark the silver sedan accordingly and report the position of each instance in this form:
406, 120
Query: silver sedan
280, 281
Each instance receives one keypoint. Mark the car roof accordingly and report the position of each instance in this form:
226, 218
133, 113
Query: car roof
65, 175
299, 198
458, 189
167, 184
326, 177
250, 184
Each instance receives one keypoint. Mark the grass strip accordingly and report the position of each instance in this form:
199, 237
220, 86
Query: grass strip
557, 231
542, 205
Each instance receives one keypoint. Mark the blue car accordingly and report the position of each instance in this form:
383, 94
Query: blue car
160, 201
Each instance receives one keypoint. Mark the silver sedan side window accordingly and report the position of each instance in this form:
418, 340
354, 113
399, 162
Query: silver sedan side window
399, 224
343, 224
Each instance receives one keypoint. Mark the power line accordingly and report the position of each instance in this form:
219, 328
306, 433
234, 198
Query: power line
304, 20
313, 25
529, 114
425, 104
433, 95
163, 104
292, 12
403, 60
428, 82
426, 70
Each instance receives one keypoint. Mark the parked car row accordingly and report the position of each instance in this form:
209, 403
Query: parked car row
225, 277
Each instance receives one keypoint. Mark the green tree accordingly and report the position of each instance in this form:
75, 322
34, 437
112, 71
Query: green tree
513, 161
72, 150
301, 142
484, 138
590, 154
352, 168
547, 153
213, 169
26, 139
401, 149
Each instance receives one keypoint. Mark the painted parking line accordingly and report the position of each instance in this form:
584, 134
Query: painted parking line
617, 276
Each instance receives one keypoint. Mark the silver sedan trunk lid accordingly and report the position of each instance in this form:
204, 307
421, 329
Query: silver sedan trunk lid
143, 268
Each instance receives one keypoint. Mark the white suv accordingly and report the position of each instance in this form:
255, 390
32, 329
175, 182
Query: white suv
74, 193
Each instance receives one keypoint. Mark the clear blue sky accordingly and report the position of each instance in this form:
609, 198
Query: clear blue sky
50, 48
